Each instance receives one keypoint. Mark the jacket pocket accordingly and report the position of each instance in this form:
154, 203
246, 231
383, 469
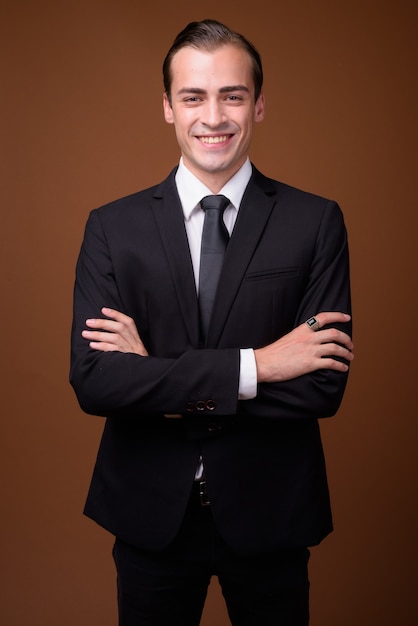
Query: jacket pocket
270, 274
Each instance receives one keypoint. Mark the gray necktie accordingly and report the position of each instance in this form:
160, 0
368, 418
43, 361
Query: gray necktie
215, 238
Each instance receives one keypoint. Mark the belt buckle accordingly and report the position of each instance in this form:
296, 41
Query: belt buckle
204, 497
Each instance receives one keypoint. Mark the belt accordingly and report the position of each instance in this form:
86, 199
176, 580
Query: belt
199, 488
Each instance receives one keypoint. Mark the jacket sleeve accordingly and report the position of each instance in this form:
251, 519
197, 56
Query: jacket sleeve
115, 383
320, 393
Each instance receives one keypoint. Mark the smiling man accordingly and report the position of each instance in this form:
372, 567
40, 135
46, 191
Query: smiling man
212, 330
212, 103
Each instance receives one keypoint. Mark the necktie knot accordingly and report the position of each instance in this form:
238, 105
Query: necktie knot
218, 202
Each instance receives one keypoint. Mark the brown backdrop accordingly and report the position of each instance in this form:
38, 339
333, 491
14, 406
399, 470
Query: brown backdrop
82, 124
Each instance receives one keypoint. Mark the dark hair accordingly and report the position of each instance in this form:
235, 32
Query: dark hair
209, 35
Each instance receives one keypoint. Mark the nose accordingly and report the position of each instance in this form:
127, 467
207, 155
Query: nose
213, 114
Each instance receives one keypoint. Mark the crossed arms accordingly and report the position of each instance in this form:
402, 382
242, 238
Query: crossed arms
116, 372
299, 352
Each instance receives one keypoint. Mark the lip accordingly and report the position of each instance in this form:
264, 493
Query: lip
219, 140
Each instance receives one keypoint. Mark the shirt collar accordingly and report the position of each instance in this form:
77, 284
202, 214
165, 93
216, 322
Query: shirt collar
191, 190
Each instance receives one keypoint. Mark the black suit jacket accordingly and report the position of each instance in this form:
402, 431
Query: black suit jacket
287, 260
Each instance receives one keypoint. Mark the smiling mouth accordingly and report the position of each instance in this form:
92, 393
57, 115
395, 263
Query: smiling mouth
212, 139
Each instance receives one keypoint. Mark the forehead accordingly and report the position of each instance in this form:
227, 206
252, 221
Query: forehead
223, 66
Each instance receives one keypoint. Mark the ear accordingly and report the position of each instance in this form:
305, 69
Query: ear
259, 110
168, 111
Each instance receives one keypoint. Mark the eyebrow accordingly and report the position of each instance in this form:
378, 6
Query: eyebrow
234, 88
226, 89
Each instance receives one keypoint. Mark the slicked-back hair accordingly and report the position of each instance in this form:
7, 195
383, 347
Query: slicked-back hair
209, 35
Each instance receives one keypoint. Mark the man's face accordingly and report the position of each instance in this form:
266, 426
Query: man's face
213, 110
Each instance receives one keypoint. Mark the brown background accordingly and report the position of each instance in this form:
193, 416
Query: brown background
82, 124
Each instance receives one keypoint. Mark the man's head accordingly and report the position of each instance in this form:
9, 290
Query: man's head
213, 98
209, 35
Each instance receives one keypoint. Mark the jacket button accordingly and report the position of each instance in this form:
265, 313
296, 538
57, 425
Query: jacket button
200, 405
211, 405
190, 407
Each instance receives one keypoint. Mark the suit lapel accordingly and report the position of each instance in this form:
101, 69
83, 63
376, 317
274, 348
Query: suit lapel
256, 206
169, 217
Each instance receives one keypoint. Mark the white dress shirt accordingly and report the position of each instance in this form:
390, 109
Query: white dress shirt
191, 191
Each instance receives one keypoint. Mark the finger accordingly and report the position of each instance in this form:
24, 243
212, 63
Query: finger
104, 324
118, 332
117, 315
335, 350
104, 347
102, 337
325, 318
333, 335
333, 364
110, 341
332, 317
125, 326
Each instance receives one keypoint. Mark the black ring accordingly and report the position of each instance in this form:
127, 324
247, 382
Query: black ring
313, 323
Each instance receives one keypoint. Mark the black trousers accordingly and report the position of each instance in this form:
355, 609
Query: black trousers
169, 588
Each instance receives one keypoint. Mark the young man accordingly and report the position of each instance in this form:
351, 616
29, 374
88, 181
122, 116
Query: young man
212, 354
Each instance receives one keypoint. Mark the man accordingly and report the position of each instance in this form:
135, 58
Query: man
211, 460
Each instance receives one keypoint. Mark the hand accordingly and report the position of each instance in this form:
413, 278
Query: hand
116, 334
304, 350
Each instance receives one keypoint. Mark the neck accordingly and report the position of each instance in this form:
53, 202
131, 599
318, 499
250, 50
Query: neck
214, 181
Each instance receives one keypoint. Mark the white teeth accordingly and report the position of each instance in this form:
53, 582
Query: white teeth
214, 139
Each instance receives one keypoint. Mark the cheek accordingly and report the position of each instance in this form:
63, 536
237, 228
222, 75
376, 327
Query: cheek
247, 129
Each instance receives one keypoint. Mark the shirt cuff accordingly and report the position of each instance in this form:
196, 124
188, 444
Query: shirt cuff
247, 375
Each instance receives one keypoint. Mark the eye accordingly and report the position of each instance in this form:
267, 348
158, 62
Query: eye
192, 99
233, 98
